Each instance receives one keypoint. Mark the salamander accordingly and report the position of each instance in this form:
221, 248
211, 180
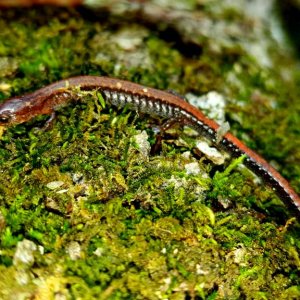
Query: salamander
153, 102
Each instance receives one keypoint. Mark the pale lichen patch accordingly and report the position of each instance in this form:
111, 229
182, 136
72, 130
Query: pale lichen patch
211, 153
25, 252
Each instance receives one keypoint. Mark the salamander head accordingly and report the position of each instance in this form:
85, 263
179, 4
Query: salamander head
5, 118
13, 111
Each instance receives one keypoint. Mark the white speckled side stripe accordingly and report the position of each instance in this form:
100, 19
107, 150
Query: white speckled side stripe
156, 107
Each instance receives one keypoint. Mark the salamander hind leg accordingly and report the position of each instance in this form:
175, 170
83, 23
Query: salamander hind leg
168, 124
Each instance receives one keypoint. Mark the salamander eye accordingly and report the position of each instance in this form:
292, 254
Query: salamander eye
5, 118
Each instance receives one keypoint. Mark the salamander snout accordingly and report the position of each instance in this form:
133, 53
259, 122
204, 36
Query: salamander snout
10, 111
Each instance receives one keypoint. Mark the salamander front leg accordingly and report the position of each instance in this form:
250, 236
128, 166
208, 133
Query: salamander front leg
163, 128
49, 122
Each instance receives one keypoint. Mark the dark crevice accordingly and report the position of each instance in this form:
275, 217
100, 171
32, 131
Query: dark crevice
163, 31
290, 15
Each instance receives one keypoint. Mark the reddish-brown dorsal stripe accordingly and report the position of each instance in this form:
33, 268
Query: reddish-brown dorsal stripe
148, 100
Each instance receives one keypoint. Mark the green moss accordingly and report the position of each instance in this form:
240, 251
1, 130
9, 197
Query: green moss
113, 221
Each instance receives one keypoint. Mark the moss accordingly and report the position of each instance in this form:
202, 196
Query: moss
110, 219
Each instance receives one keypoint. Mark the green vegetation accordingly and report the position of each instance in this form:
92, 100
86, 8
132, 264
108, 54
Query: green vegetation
87, 213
